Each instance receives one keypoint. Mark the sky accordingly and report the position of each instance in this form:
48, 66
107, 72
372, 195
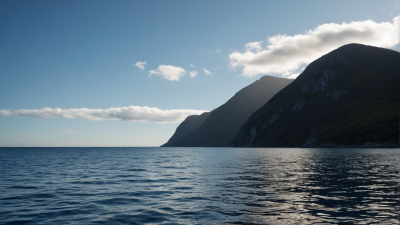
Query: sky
126, 73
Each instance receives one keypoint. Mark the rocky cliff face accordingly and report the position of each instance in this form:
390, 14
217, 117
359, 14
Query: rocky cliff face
219, 126
349, 97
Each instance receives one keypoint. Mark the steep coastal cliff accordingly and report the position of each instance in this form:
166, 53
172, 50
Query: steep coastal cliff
348, 97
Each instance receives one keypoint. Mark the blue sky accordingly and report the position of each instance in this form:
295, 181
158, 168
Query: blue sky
82, 54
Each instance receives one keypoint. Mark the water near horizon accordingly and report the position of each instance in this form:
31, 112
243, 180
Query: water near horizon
198, 186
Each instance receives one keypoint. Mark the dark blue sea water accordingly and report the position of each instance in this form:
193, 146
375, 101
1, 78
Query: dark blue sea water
198, 186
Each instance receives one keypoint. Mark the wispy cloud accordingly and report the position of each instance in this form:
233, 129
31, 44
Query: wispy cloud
207, 72
193, 73
285, 54
218, 50
130, 114
69, 131
169, 72
140, 65
192, 65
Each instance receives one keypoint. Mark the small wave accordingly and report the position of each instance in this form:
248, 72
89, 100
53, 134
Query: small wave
64, 212
197, 198
117, 201
146, 217
149, 193
157, 180
173, 167
131, 180
29, 196
23, 187
127, 175
93, 182
80, 194
185, 178
183, 188
136, 170
18, 222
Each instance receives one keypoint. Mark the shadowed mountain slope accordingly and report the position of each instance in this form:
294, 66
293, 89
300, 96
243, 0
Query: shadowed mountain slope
190, 124
349, 96
218, 127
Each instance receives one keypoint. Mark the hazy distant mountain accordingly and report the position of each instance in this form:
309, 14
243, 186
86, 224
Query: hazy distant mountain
218, 127
190, 124
349, 96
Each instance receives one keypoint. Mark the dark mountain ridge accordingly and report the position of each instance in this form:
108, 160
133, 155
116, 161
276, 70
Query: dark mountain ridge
349, 96
190, 124
218, 127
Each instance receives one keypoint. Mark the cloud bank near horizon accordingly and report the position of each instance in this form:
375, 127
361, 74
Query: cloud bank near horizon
128, 114
285, 54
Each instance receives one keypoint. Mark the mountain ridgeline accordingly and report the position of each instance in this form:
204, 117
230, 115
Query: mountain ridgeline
218, 127
348, 97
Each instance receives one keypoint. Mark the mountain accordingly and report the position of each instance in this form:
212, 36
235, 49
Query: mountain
348, 97
218, 127
190, 124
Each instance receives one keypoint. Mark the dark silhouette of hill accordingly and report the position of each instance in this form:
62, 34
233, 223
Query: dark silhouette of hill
190, 124
218, 127
349, 96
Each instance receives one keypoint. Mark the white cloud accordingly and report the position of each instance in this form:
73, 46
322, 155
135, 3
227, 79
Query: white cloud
140, 65
253, 46
207, 72
218, 50
293, 76
193, 73
69, 131
192, 65
129, 114
285, 54
169, 72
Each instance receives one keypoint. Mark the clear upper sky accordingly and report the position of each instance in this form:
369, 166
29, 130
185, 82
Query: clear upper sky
82, 54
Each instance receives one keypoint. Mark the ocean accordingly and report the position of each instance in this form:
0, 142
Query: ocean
198, 186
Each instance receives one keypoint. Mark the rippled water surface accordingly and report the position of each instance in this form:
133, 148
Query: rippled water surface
198, 186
